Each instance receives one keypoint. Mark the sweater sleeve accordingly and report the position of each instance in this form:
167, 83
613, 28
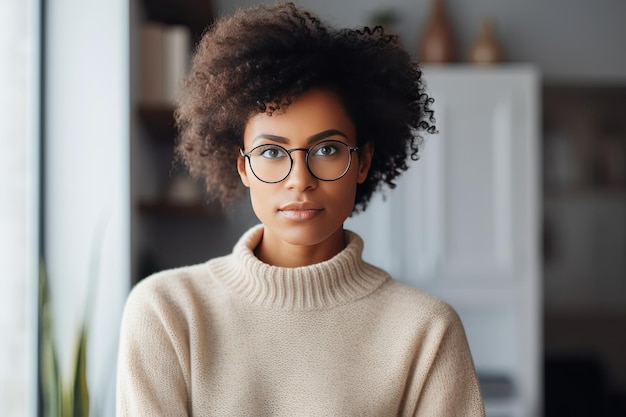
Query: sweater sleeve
153, 362
444, 381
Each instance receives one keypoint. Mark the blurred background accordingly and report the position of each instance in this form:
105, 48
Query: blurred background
515, 215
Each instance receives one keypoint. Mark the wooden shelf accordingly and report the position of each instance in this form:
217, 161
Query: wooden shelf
599, 192
177, 209
155, 217
158, 120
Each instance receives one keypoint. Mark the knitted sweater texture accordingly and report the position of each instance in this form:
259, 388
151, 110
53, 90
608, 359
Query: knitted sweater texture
237, 337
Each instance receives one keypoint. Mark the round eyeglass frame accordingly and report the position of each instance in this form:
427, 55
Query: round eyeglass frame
306, 159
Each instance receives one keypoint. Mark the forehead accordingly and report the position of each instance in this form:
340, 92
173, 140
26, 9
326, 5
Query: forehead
315, 111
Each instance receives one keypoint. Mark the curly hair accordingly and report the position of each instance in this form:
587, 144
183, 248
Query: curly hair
262, 58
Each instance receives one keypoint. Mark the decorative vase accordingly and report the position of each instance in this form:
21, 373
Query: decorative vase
486, 49
437, 44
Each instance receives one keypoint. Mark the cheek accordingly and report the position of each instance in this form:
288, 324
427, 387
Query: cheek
261, 196
344, 196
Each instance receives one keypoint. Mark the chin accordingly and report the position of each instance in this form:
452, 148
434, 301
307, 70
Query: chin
299, 237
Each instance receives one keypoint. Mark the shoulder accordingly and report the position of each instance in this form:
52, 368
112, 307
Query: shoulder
169, 282
171, 292
418, 306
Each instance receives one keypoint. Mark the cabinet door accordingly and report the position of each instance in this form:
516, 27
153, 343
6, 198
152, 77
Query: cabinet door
464, 212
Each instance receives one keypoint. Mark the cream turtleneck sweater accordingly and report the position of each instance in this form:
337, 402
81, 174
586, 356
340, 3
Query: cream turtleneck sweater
237, 337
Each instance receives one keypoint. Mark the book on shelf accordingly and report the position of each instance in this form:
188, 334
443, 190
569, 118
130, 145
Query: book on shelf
165, 55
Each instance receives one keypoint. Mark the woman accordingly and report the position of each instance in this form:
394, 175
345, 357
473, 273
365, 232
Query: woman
311, 120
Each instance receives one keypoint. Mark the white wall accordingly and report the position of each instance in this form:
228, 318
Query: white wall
87, 177
567, 39
18, 207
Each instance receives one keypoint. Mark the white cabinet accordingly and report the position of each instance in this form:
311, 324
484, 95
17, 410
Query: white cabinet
463, 223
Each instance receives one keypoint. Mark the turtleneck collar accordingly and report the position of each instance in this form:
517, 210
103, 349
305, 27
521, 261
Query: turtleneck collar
339, 280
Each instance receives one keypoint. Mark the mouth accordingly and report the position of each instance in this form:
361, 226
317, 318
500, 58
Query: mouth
300, 211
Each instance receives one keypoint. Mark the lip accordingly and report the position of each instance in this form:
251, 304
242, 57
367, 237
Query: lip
300, 211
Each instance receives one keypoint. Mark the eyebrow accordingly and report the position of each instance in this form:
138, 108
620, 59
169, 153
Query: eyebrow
311, 139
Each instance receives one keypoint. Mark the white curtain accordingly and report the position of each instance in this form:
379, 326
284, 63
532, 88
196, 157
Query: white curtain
19, 154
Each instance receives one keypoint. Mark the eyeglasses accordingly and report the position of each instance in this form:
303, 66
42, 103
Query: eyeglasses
326, 161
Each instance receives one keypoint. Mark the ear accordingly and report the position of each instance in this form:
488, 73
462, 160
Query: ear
365, 161
241, 169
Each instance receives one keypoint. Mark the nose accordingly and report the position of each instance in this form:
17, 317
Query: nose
300, 178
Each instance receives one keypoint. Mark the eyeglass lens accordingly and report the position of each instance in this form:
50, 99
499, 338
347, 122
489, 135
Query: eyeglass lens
327, 161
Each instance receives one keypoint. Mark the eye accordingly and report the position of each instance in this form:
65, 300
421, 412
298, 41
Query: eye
325, 149
270, 152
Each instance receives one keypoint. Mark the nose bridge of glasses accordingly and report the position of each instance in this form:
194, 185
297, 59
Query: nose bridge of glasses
304, 162
305, 156
292, 150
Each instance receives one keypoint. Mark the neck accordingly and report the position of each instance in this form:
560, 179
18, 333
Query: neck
274, 251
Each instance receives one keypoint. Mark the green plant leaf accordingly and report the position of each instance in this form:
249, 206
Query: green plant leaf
50, 378
80, 388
